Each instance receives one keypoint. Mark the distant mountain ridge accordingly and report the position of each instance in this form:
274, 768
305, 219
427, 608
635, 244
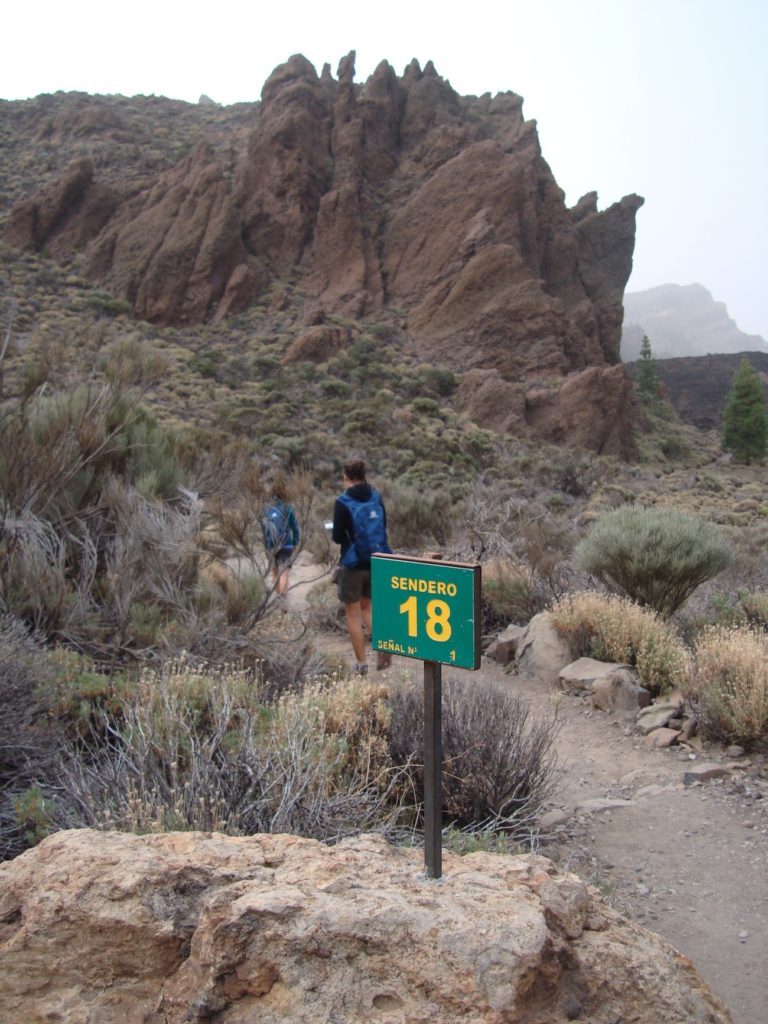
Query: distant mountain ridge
682, 320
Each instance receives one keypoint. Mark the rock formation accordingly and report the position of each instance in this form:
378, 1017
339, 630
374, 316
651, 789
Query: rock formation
397, 194
682, 320
108, 928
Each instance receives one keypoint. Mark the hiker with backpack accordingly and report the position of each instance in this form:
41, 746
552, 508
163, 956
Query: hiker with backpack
280, 530
360, 527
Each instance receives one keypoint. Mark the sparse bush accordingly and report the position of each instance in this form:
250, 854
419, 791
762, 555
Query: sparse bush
417, 519
612, 628
498, 763
202, 748
657, 557
325, 609
511, 592
755, 607
728, 684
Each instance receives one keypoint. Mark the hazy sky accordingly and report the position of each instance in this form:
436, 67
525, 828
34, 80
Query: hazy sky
667, 98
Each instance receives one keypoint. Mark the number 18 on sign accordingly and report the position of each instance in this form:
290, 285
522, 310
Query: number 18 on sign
426, 609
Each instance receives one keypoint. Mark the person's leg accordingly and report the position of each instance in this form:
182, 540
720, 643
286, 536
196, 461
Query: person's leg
354, 613
365, 613
355, 594
281, 583
280, 565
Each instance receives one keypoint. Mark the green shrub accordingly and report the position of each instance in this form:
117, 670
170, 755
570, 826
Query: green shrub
102, 302
657, 557
425, 407
612, 628
418, 518
728, 684
755, 605
511, 592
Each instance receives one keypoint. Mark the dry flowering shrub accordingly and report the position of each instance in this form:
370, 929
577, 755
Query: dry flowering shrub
198, 747
612, 628
728, 683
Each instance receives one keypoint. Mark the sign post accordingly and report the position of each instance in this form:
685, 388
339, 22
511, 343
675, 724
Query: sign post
428, 609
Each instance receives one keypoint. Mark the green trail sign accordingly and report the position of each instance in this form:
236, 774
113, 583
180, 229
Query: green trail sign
426, 609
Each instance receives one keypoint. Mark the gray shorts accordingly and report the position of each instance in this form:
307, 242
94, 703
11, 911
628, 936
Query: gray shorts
284, 556
353, 585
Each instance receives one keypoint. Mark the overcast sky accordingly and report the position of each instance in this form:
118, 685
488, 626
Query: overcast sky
667, 98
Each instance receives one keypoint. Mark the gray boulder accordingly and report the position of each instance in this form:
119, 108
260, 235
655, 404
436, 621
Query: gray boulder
504, 647
541, 651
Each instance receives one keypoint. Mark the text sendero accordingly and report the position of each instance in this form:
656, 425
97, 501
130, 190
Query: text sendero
423, 586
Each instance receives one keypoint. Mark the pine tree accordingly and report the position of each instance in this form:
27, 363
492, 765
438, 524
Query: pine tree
647, 381
745, 421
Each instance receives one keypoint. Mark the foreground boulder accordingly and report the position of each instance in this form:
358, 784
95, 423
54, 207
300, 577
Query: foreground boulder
108, 928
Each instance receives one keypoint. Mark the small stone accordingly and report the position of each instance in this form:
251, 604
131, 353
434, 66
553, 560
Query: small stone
598, 804
552, 819
704, 772
656, 716
661, 738
571, 1007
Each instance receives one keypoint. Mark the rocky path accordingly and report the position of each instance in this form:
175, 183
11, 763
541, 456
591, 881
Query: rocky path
689, 861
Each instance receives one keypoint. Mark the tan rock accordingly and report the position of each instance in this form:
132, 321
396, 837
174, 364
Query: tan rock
541, 651
656, 716
661, 738
316, 345
612, 686
169, 928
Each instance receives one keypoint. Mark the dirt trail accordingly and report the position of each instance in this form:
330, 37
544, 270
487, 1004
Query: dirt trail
688, 862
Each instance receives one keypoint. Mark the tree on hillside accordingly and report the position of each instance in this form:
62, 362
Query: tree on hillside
647, 383
745, 422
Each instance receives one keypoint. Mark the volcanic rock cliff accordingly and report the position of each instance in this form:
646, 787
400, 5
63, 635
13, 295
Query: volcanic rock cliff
393, 194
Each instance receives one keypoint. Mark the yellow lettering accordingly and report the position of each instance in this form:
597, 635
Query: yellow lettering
441, 587
413, 584
450, 589
395, 583
431, 587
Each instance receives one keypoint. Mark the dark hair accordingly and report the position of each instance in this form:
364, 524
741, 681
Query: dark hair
279, 486
354, 469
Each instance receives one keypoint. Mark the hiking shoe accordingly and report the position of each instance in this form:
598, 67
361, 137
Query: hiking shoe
361, 668
383, 660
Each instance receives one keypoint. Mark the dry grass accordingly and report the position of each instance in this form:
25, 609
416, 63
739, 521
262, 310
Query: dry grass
728, 683
613, 628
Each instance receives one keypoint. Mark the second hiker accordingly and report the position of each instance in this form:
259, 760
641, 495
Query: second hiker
360, 527
281, 533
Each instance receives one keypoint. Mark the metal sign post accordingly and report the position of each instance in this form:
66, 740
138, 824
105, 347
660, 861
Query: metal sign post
433, 759
429, 610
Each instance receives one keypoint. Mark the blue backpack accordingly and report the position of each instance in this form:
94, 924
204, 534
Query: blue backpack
274, 526
370, 535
